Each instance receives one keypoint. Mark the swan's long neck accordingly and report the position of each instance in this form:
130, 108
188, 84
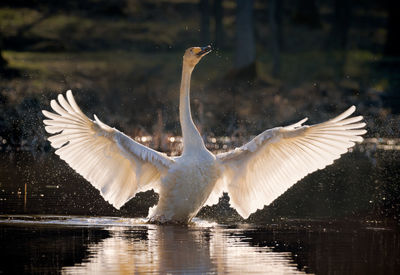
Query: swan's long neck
191, 136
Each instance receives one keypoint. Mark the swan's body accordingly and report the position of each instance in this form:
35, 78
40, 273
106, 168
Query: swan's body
186, 187
253, 175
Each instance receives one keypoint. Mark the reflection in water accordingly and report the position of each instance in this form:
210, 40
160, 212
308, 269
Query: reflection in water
235, 255
113, 245
172, 249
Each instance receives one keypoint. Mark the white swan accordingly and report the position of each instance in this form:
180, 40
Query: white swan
253, 175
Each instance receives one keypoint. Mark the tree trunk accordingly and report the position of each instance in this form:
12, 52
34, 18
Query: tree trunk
391, 63
3, 61
219, 29
392, 47
275, 26
204, 22
307, 13
245, 47
341, 24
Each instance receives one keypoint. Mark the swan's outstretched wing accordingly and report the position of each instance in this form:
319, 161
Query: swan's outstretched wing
111, 161
263, 169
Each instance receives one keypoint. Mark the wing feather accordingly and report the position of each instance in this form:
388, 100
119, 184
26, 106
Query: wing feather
264, 168
111, 161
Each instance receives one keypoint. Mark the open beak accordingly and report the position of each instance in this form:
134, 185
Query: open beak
204, 50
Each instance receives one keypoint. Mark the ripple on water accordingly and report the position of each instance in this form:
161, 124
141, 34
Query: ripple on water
72, 220
108, 245
133, 246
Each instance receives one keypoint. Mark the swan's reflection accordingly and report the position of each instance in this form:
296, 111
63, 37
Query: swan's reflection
171, 249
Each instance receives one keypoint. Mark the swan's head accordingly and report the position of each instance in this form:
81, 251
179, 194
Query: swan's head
193, 55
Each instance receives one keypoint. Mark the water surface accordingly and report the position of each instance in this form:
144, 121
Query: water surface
113, 245
346, 222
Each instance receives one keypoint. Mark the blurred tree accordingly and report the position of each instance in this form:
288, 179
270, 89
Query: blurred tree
392, 47
307, 13
219, 29
275, 22
3, 62
338, 35
341, 24
245, 52
391, 63
204, 22
5, 70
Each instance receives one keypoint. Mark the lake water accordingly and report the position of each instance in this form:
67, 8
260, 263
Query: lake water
341, 220
111, 245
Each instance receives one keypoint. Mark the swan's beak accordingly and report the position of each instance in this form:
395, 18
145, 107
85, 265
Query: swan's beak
204, 51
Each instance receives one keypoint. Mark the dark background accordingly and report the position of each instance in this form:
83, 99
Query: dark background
273, 63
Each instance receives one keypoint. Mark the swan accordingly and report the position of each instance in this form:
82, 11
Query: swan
253, 175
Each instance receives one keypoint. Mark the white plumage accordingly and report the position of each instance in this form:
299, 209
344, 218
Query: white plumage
254, 175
